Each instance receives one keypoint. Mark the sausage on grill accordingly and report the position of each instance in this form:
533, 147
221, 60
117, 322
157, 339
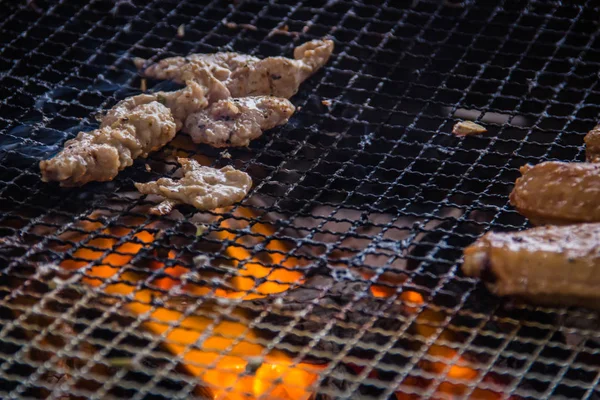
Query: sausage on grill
592, 145
552, 265
558, 193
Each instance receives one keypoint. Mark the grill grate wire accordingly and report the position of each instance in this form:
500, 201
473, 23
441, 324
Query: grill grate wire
374, 182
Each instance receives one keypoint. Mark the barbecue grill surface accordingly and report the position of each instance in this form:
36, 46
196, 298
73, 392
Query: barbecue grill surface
365, 185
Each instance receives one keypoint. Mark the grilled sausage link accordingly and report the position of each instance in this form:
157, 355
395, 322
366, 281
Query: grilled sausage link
551, 265
558, 193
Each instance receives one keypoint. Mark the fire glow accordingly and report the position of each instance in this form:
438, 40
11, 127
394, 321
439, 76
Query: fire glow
223, 362
226, 355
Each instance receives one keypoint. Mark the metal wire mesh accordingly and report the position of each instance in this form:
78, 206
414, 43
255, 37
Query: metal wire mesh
350, 244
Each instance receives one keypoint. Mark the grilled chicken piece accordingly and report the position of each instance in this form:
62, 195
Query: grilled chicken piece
202, 187
174, 68
246, 75
131, 131
235, 122
196, 96
552, 265
558, 193
280, 76
592, 145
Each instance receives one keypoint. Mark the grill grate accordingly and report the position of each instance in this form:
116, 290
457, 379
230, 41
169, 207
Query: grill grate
370, 200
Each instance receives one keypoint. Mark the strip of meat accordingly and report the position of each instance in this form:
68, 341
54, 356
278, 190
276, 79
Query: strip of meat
280, 76
235, 122
592, 145
173, 68
132, 131
552, 265
246, 75
558, 193
202, 187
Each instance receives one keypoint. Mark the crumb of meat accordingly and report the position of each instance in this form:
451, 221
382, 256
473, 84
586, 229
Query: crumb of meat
248, 26
200, 229
225, 154
326, 103
284, 30
233, 25
299, 108
128, 131
181, 31
202, 187
148, 169
143, 85
235, 122
465, 128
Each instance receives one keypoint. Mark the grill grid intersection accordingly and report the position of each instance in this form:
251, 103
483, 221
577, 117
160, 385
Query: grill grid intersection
375, 184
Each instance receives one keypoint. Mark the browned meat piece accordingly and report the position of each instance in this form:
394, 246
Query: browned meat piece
592, 145
173, 68
547, 265
558, 193
203, 187
132, 131
132, 128
196, 96
235, 122
246, 75
280, 76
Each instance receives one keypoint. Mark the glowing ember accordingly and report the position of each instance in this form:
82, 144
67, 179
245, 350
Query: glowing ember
277, 278
225, 355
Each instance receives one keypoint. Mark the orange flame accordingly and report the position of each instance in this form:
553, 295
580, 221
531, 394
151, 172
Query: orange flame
458, 371
277, 278
221, 360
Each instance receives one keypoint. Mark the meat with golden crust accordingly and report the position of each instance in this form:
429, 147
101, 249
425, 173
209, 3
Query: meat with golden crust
592, 145
551, 265
558, 193
202, 187
132, 131
235, 122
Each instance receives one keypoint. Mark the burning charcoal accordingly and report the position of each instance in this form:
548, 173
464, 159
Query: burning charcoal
342, 298
581, 320
337, 382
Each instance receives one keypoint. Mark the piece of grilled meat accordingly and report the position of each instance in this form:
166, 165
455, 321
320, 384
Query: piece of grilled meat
196, 96
247, 75
550, 265
131, 130
174, 68
592, 145
235, 122
558, 193
202, 187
